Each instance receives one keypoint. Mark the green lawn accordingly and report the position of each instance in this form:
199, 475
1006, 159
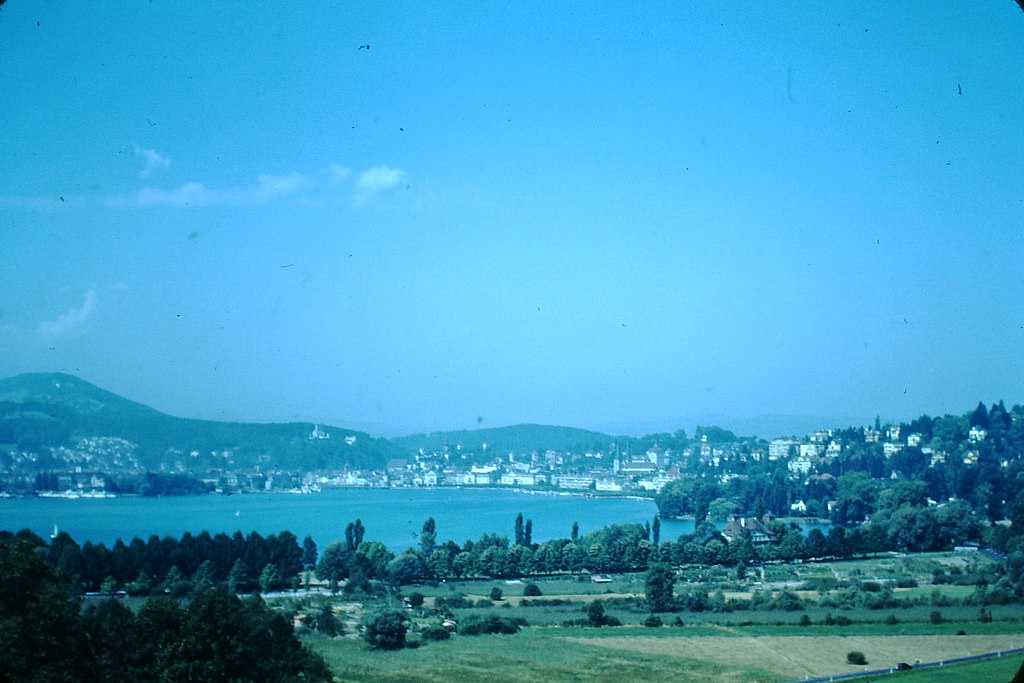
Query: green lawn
531, 655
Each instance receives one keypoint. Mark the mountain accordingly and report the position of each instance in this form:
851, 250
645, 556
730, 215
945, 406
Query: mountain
520, 438
44, 411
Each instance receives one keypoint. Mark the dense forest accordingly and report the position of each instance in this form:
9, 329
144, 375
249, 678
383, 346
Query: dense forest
47, 635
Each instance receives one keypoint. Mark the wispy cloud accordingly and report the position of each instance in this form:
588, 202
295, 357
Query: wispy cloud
189, 194
271, 187
154, 161
380, 178
331, 183
70, 321
339, 173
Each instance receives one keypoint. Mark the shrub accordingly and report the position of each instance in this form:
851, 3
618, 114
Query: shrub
805, 620
453, 602
544, 602
490, 624
386, 630
436, 632
531, 590
935, 617
856, 658
483, 602
496, 593
416, 600
652, 621
906, 582
327, 623
891, 620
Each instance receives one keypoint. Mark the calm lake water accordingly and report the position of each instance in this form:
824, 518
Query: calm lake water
392, 516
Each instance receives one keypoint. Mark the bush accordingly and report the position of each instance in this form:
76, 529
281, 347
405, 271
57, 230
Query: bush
453, 602
327, 623
531, 590
386, 630
496, 593
436, 633
652, 621
891, 620
416, 600
856, 658
490, 624
805, 620
483, 602
935, 617
544, 602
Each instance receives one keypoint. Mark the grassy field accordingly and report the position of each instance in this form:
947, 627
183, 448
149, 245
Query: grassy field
531, 655
759, 646
794, 657
555, 654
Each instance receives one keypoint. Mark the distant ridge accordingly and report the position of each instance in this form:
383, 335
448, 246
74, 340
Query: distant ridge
520, 438
39, 411
761, 426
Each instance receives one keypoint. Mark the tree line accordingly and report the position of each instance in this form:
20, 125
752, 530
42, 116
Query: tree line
46, 635
241, 563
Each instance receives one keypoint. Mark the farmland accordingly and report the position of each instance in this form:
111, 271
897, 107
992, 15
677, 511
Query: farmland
831, 614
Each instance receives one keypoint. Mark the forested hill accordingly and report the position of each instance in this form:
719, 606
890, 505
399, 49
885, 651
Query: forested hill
519, 438
52, 410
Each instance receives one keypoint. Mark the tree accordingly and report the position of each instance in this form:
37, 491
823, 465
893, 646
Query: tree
204, 578
335, 562
373, 557
327, 623
575, 535
237, 578
406, 568
660, 584
41, 634
428, 537
308, 553
268, 578
656, 530
979, 418
519, 535
386, 630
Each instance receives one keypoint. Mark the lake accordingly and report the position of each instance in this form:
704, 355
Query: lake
392, 516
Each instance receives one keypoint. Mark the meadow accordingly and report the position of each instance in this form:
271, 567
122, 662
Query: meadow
726, 644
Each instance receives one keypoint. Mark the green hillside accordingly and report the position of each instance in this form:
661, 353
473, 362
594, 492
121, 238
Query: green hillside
39, 412
519, 438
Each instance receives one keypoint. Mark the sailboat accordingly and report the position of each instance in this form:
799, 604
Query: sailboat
53, 534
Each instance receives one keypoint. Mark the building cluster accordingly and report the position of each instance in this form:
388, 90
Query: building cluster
613, 469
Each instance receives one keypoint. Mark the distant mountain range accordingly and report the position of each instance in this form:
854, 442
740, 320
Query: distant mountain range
40, 411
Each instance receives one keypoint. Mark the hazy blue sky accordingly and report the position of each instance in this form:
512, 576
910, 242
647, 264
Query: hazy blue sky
428, 215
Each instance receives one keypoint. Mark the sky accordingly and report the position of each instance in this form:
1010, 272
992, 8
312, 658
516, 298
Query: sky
421, 216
